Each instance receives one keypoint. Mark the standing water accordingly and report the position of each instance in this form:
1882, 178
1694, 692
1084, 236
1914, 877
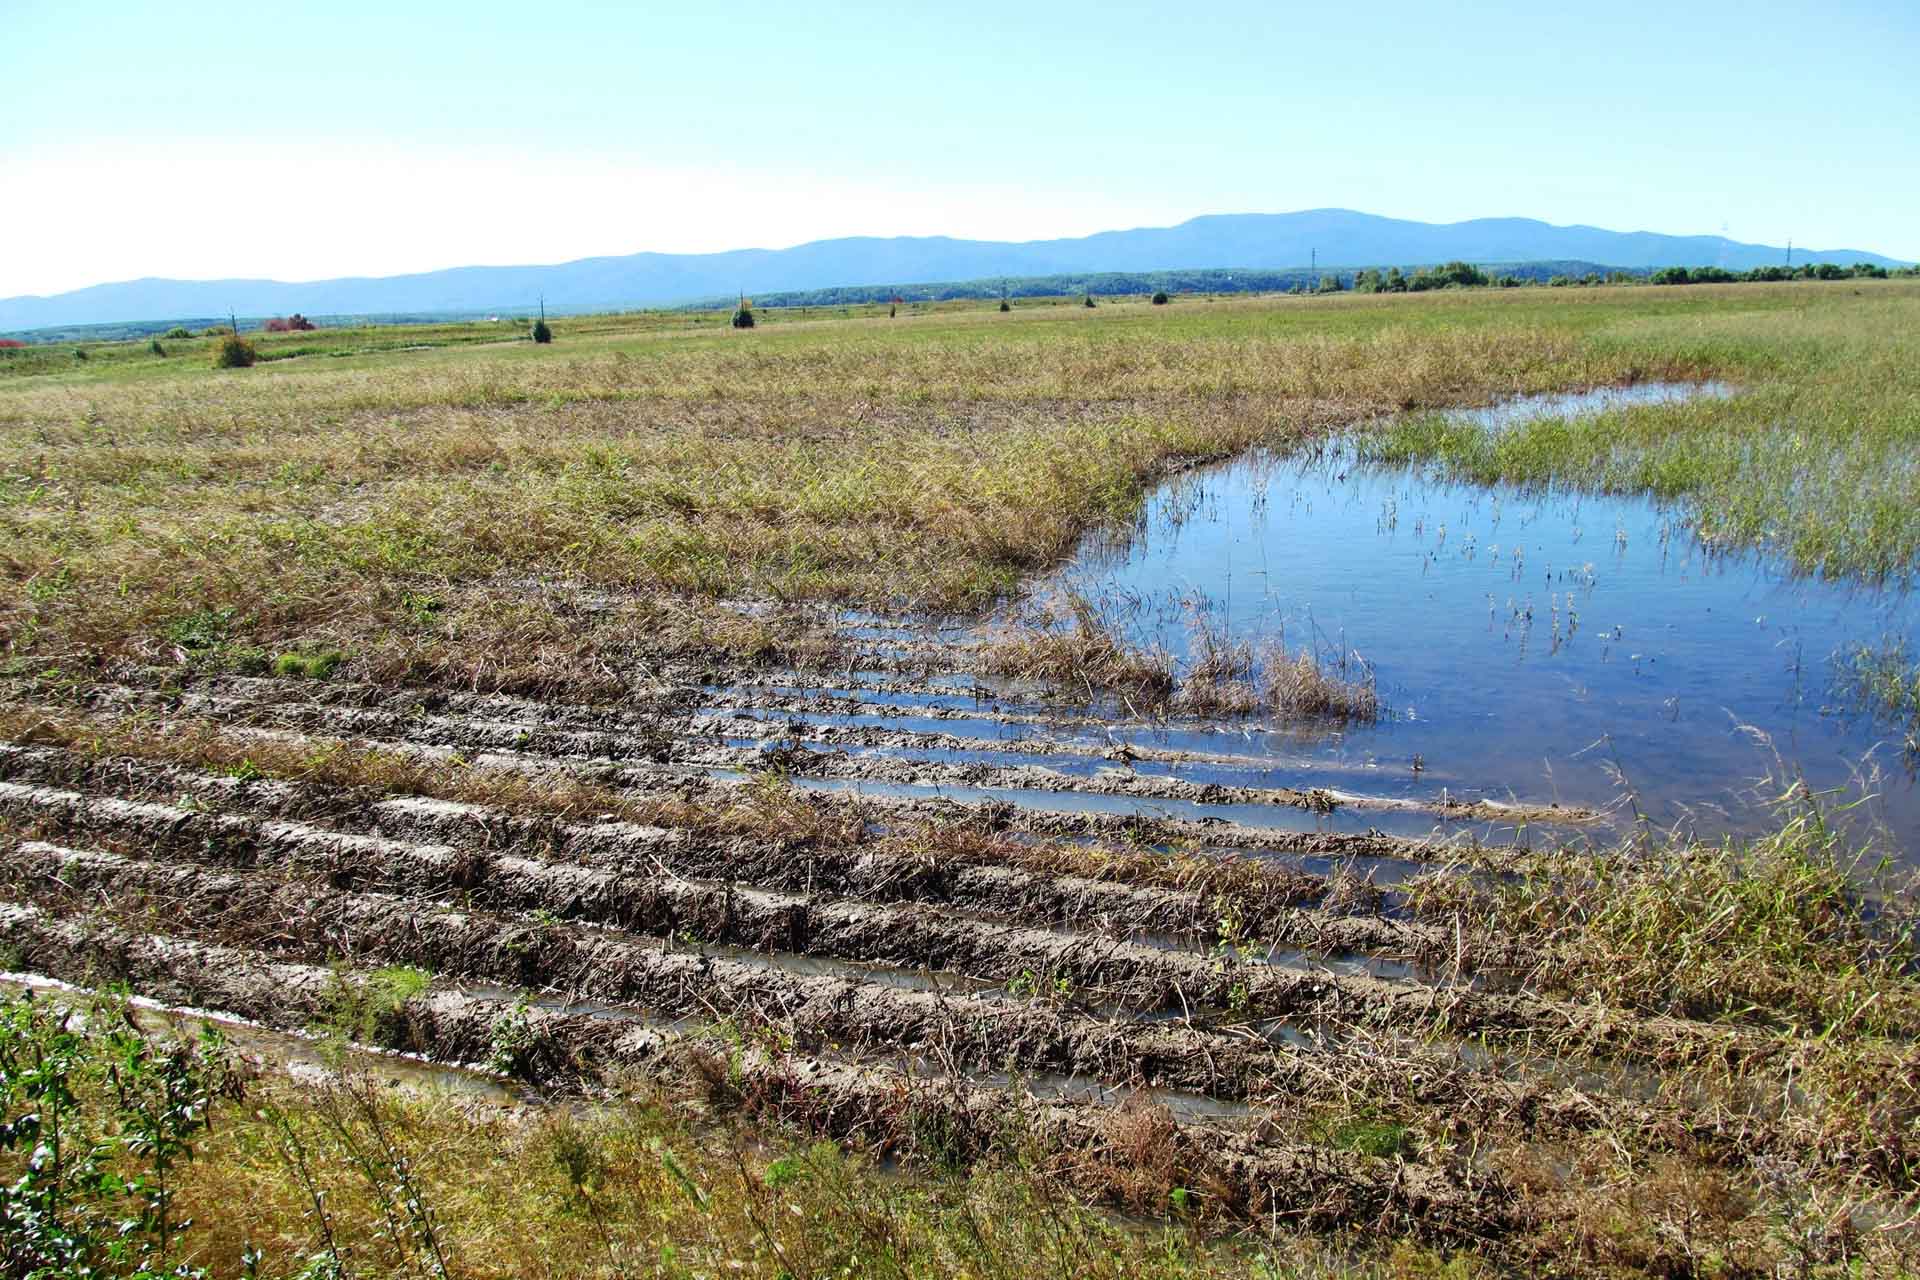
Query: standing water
1543, 646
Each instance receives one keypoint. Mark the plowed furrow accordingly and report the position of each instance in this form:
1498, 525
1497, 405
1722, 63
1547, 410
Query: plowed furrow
668, 742
313, 925
867, 871
1302, 995
649, 899
1247, 1175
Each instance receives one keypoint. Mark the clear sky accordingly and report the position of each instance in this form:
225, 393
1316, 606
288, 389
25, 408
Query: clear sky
302, 139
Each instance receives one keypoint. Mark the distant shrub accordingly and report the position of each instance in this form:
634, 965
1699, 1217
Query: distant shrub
1869, 271
178, 332
1828, 271
540, 331
155, 347
1671, 275
1329, 284
234, 352
1559, 282
80, 353
1160, 298
215, 331
743, 318
1086, 300
1005, 305
1619, 277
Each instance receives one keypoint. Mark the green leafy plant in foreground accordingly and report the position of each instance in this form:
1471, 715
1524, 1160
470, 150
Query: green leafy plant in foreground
99, 1117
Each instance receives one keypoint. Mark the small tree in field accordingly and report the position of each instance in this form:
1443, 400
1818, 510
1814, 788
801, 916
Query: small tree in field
742, 314
1160, 298
541, 333
1086, 300
234, 352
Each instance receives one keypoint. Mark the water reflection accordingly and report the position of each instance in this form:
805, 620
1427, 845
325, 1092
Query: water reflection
1542, 645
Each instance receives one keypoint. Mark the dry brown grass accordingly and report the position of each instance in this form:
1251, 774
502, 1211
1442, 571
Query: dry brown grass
1299, 685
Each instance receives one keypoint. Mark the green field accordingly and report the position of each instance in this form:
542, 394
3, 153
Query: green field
928, 463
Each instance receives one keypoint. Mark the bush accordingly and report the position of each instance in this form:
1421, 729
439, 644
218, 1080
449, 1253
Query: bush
1086, 300
80, 353
1329, 284
308, 666
1160, 298
234, 352
1559, 282
1671, 275
1004, 305
540, 331
743, 318
155, 347
178, 331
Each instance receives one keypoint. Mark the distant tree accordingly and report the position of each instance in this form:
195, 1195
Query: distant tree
1592, 277
1086, 299
1505, 281
1711, 275
1828, 271
1160, 298
1619, 277
1329, 284
541, 333
742, 314
80, 353
1671, 275
234, 352
1369, 281
1395, 281
177, 332
1559, 282
1005, 305
155, 347
1866, 270
1459, 274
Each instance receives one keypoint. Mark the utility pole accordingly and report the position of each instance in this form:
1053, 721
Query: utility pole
1789, 253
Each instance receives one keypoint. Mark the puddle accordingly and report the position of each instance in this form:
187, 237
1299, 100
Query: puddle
1531, 645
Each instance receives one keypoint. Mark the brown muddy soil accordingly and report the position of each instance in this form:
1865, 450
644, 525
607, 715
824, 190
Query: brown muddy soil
913, 969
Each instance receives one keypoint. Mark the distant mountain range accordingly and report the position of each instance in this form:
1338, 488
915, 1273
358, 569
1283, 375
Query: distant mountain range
1247, 240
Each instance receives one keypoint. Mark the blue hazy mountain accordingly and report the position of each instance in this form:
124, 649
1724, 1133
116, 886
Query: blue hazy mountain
1333, 237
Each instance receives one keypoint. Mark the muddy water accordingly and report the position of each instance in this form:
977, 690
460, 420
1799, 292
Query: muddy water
1532, 645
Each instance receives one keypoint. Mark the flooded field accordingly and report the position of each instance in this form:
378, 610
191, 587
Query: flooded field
691, 722
1542, 647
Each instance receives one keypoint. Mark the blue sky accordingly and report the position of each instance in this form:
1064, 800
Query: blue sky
303, 140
